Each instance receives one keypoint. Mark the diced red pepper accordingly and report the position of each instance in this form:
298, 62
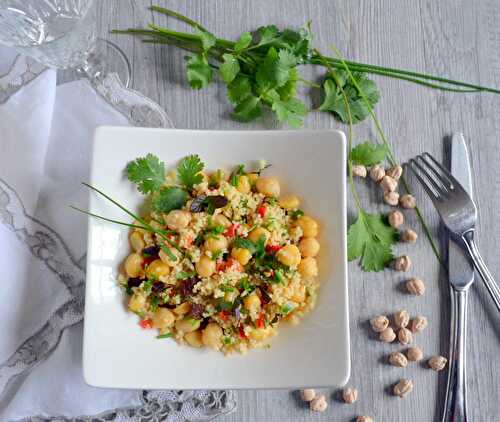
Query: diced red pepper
220, 266
242, 332
261, 321
273, 248
224, 315
261, 211
146, 323
231, 230
234, 265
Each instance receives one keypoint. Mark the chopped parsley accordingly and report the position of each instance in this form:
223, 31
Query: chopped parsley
223, 305
146, 286
238, 171
226, 288
182, 275
296, 214
246, 286
154, 303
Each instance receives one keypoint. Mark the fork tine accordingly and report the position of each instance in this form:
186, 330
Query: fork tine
440, 192
445, 184
452, 181
435, 199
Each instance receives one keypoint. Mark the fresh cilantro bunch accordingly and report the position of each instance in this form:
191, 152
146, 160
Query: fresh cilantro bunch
148, 173
269, 78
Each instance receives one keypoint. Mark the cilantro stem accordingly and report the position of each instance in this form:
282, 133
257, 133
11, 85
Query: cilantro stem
392, 158
349, 136
178, 16
309, 83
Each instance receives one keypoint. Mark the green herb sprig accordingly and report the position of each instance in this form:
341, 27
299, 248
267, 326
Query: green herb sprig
261, 70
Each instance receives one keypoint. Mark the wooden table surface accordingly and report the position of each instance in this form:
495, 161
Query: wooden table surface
456, 38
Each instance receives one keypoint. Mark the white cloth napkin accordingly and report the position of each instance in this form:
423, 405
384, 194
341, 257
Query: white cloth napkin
45, 134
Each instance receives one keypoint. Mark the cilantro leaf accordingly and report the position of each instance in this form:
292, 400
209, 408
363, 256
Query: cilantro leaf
208, 40
147, 172
334, 100
248, 109
267, 34
168, 199
289, 89
244, 41
199, 73
239, 89
291, 111
368, 153
188, 171
274, 71
371, 238
240, 242
229, 69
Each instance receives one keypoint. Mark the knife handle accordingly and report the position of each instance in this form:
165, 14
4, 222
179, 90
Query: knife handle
482, 269
455, 408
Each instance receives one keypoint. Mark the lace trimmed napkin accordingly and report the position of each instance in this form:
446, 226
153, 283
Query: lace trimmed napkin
45, 133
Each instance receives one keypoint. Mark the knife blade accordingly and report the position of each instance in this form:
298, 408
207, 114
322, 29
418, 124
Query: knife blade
460, 267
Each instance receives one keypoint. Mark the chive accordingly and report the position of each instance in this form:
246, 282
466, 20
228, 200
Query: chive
166, 335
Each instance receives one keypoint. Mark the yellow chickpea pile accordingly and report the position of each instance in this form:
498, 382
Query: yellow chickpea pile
237, 273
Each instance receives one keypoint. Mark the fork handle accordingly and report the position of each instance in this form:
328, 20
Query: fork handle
482, 269
455, 408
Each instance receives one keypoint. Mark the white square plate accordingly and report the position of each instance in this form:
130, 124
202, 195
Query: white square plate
118, 353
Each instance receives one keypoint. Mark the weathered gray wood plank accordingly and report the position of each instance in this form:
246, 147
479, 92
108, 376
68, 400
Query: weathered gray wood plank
451, 37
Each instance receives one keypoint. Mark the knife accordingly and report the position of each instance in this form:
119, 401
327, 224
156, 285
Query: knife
461, 277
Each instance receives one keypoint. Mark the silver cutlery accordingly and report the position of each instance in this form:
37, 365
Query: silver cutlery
461, 277
456, 209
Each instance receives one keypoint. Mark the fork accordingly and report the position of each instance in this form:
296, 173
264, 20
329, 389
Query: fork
457, 211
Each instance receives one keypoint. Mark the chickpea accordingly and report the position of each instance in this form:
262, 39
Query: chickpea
194, 339
221, 220
359, 170
309, 246
308, 268
308, 225
218, 243
166, 259
137, 302
157, 269
252, 177
251, 302
257, 233
182, 309
290, 202
289, 255
242, 255
211, 336
136, 241
260, 334
133, 265
163, 318
243, 184
186, 325
178, 219
268, 186
205, 267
